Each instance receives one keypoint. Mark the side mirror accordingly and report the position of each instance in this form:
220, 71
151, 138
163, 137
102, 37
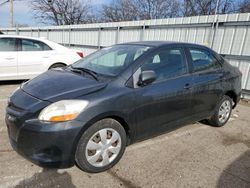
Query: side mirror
146, 77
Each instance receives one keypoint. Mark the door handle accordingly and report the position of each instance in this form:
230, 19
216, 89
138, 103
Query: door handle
187, 86
9, 58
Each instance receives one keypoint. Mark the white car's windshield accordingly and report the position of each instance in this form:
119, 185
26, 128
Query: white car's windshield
111, 60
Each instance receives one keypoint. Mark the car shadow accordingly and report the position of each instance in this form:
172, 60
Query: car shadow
237, 174
48, 178
205, 122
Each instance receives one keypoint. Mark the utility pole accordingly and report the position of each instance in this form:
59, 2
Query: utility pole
11, 14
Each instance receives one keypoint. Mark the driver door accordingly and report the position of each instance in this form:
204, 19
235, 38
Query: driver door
165, 102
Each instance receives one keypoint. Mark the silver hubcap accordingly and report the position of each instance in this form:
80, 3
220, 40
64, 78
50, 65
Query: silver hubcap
103, 147
224, 111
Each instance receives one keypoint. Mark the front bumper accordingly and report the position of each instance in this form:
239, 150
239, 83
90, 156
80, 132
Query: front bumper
45, 144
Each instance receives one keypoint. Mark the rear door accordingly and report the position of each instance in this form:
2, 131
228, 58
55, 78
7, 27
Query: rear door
8, 58
33, 57
206, 82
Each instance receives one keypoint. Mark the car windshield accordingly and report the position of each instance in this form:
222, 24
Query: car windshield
111, 61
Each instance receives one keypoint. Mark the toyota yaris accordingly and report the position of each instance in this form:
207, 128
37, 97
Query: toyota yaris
87, 113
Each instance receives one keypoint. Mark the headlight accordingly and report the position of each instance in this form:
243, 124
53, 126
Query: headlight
64, 110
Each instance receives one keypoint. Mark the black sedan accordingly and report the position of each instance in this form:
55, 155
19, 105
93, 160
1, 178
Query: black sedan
87, 113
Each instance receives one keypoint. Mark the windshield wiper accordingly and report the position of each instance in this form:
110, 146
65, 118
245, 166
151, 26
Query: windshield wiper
88, 71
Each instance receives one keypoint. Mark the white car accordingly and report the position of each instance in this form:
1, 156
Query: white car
26, 57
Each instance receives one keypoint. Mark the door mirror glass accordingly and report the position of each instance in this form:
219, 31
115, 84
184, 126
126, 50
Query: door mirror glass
146, 77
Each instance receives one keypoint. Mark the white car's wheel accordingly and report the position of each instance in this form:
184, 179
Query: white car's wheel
57, 65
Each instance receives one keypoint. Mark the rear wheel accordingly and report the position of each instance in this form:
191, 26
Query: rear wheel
57, 65
222, 113
101, 146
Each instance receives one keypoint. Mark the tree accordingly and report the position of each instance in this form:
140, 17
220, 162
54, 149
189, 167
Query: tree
207, 7
66, 12
125, 10
244, 6
153, 9
61, 12
119, 10
227, 6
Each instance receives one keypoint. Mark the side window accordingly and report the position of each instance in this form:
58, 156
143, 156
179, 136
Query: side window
203, 60
7, 44
32, 45
166, 63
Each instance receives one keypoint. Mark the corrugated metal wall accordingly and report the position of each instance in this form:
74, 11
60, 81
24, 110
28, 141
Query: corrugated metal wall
229, 35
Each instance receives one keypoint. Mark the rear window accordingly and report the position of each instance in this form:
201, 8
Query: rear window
33, 45
203, 60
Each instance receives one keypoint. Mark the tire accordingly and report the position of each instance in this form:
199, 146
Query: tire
101, 146
57, 65
219, 120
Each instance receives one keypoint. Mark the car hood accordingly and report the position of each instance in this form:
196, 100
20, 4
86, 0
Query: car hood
55, 85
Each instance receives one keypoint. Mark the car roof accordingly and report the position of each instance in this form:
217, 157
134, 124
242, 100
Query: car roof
23, 37
162, 43
52, 44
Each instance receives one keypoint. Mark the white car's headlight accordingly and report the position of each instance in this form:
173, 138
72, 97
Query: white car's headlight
64, 110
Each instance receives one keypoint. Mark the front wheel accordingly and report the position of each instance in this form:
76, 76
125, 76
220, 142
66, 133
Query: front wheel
222, 113
101, 146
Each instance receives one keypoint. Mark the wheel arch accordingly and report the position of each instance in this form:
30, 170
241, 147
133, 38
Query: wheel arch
124, 124
57, 63
233, 96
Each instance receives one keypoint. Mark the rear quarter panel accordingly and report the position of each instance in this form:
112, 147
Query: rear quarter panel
232, 79
66, 57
